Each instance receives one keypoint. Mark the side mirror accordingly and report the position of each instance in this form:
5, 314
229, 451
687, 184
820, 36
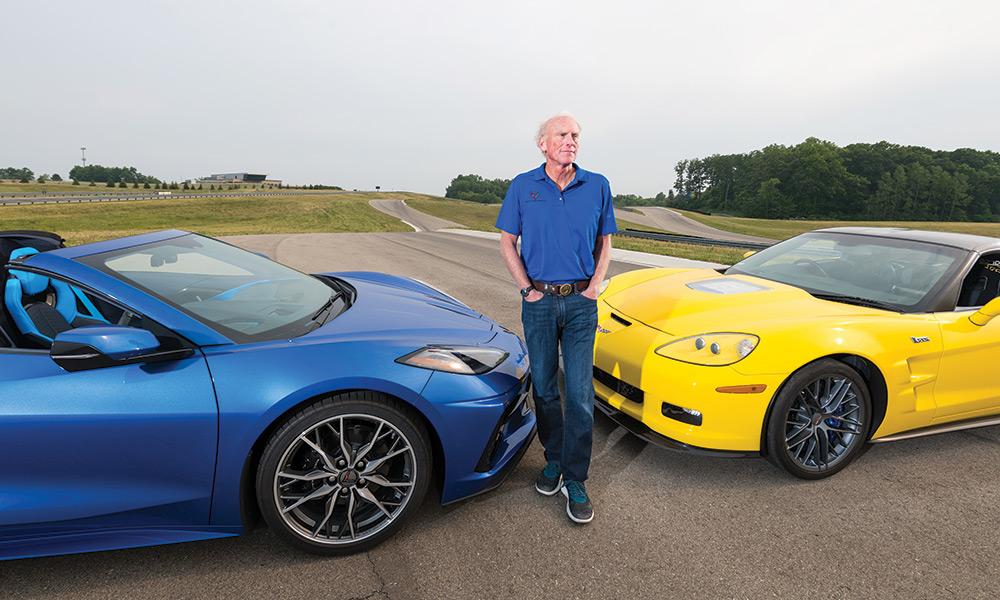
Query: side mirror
986, 313
107, 346
749, 253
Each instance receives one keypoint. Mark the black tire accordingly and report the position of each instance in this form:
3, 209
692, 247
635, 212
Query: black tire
301, 490
813, 441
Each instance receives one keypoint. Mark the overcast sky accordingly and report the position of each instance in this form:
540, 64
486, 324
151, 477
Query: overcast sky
406, 95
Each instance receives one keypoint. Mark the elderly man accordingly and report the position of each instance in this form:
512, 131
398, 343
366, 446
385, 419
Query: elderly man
565, 218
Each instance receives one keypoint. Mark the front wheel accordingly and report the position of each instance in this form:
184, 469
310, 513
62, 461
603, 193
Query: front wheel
343, 474
820, 420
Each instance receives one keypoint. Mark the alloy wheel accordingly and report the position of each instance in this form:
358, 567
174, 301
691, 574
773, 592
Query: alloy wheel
345, 479
825, 421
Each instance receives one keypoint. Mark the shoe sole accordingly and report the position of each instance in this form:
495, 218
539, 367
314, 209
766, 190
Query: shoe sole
553, 492
570, 513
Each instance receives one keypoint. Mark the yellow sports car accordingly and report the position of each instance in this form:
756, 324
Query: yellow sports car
808, 350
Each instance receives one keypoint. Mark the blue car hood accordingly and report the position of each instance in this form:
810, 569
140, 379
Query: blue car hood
398, 308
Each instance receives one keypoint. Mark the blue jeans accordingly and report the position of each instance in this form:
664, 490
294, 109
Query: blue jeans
566, 431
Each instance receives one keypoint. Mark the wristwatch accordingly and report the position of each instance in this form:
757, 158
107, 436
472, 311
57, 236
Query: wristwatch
526, 291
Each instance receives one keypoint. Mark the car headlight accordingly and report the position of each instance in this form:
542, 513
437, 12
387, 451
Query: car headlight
464, 360
604, 286
711, 349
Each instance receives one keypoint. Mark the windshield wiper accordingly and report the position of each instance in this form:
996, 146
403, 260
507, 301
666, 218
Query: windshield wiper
323, 313
857, 300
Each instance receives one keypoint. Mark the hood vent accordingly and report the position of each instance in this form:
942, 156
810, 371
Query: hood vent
725, 286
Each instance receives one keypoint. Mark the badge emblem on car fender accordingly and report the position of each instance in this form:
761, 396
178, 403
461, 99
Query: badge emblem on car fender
602, 330
920, 340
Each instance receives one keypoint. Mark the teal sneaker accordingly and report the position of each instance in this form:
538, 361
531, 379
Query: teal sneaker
549, 480
578, 505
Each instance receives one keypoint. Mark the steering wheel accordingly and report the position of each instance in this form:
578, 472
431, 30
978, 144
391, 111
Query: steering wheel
811, 264
889, 274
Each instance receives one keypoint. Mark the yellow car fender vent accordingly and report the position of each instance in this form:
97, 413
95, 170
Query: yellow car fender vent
621, 320
616, 323
754, 388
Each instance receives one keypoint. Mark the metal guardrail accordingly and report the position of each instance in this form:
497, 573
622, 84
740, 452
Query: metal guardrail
22, 200
691, 239
100, 191
85, 199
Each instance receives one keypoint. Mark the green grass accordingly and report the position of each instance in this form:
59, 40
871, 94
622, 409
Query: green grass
475, 215
83, 223
782, 229
716, 254
17, 189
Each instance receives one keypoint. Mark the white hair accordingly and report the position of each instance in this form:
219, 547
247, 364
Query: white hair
544, 127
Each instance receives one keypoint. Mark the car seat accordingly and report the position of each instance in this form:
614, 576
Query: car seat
982, 283
26, 295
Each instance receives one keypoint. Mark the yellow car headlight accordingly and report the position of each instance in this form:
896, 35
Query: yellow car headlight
711, 349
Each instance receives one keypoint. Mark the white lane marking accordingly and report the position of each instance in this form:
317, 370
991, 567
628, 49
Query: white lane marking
386, 207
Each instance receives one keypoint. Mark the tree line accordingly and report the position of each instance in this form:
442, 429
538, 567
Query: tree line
113, 175
475, 188
818, 179
124, 177
91, 173
24, 174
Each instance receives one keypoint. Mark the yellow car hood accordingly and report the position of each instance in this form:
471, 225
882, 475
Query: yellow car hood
702, 300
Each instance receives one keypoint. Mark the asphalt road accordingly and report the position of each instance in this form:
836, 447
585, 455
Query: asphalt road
675, 222
913, 519
419, 221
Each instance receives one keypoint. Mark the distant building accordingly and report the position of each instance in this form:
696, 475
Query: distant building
235, 178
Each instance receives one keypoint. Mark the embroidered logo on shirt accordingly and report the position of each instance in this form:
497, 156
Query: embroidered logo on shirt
535, 195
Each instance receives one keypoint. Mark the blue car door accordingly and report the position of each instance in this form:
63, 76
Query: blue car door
128, 447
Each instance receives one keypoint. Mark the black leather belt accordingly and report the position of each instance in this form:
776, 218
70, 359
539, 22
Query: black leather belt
561, 289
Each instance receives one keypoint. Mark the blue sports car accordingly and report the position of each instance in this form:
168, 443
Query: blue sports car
170, 387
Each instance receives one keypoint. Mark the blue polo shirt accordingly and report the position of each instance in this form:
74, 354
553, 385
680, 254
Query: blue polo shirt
558, 229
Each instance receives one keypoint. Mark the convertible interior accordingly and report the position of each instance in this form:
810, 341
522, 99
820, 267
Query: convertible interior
37, 308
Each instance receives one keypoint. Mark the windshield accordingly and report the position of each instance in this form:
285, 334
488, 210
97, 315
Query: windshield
893, 272
240, 294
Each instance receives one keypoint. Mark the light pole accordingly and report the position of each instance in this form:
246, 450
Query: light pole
83, 155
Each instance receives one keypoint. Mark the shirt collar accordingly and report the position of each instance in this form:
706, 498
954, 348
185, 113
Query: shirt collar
582, 175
